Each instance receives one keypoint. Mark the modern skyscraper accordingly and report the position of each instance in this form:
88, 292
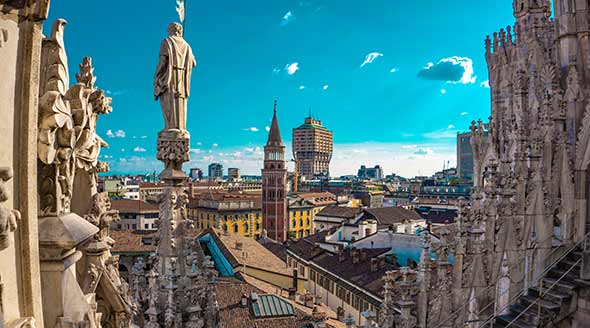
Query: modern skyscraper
233, 173
196, 173
312, 148
215, 171
274, 184
464, 156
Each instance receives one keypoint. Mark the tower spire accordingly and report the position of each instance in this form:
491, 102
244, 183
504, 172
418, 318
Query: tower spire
274, 134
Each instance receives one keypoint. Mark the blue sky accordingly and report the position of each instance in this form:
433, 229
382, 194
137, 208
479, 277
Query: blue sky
395, 80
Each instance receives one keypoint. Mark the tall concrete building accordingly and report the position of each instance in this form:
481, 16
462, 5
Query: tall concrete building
274, 184
312, 148
233, 173
196, 173
215, 171
464, 156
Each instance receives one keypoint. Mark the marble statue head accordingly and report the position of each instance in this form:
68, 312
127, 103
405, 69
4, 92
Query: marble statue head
175, 29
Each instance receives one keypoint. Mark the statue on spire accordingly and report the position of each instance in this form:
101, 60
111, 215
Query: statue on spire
173, 78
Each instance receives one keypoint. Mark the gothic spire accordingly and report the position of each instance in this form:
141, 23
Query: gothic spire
274, 135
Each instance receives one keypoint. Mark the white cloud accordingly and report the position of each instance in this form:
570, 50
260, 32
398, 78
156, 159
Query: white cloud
115, 93
485, 84
325, 87
116, 134
215, 145
392, 157
199, 143
393, 70
287, 18
301, 87
267, 128
455, 69
143, 137
423, 151
451, 126
409, 146
252, 129
464, 113
139, 149
370, 57
467, 64
443, 91
276, 71
447, 133
292, 68
196, 150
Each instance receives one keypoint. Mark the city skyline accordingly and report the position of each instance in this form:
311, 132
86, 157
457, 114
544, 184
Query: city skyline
389, 100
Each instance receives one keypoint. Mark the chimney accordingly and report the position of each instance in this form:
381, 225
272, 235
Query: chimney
238, 245
374, 262
244, 302
295, 279
355, 256
316, 250
381, 262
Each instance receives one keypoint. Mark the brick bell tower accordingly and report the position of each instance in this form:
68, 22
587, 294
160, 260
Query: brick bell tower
274, 184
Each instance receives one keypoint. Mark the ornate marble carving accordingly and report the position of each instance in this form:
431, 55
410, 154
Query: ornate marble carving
8, 217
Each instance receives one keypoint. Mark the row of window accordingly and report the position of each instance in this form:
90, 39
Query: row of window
340, 291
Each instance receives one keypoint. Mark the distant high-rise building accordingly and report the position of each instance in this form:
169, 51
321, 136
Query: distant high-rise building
196, 173
464, 156
215, 171
274, 184
370, 173
233, 173
312, 148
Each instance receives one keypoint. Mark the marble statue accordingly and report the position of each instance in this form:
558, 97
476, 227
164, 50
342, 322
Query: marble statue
173, 77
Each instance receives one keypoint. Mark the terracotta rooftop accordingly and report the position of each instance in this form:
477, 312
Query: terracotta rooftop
258, 256
151, 185
340, 212
129, 241
360, 273
133, 206
232, 314
387, 216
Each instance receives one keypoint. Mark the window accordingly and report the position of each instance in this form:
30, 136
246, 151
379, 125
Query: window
235, 228
134, 226
146, 226
246, 227
224, 227
257, 226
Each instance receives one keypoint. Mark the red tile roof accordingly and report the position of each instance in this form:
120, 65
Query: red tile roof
133, 206
130, 241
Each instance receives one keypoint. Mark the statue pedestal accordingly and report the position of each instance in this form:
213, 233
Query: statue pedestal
173, 150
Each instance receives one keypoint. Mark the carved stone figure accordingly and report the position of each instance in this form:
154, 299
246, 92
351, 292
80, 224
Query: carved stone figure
173, 77
8, 217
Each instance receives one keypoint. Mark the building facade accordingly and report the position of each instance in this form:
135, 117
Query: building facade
136, 215
215, 171
233, 173
196, 174
274, 184
370, 173
464, 156
312, 148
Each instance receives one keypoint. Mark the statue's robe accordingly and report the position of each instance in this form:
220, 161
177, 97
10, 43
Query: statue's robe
172, 80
